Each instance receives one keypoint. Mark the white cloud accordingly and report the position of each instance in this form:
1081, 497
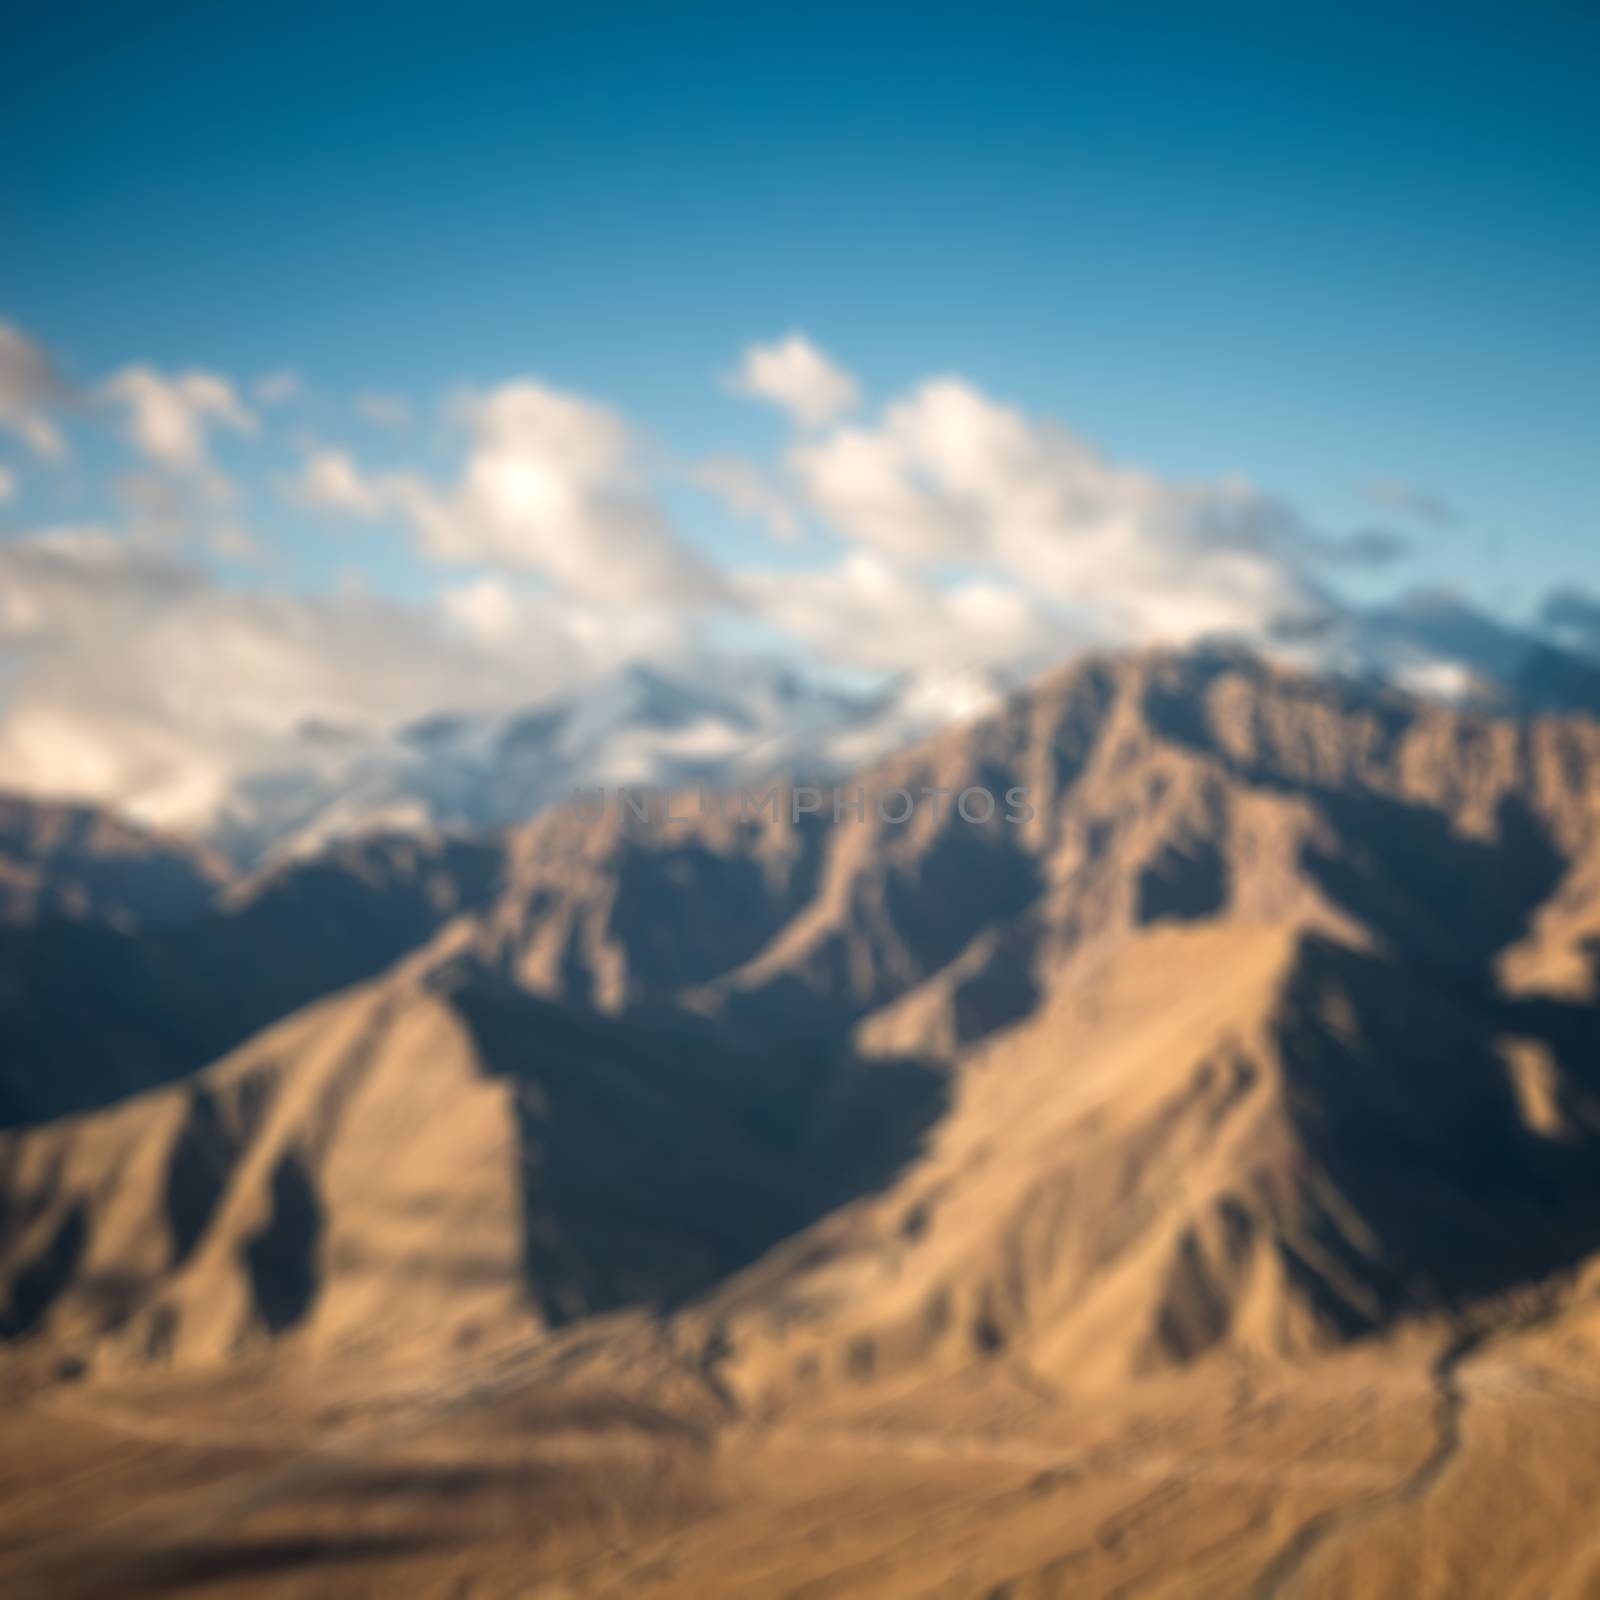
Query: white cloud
234, 543
869, 485
555, 484
276, 388
948, 475
1438, 680
552, 484
156, 508
496, 613
330, 481
748, 491
55, 576
798, 378
169, 417
168, 515
142, 682
8, 484
29, 389
386, 410
871, 613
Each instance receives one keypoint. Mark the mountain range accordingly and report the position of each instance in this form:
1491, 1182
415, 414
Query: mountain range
1264, 1049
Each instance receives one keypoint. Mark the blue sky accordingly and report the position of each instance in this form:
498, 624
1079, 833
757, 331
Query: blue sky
1315, 244
1321, 248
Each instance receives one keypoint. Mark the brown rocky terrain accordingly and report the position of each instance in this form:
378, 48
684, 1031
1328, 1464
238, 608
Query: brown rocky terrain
1191, 1190
77, 862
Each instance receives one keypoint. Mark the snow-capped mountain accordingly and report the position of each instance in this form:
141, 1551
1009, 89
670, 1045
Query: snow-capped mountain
727, 721
716, 723
1433, 644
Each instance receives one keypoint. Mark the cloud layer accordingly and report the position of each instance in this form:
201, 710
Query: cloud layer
30, 388
947, 475
938, 530
145, 681
798, 378
170, 417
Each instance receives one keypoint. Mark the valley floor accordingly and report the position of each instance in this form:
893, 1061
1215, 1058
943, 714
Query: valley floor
587, 1466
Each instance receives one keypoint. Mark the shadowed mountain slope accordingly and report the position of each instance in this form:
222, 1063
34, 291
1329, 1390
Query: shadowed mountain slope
438, 1157
91, 1012
59, 860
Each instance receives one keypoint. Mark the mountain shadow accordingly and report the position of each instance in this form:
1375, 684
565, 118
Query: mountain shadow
660, 913
1397, 1066
38, 1287
655, 1162
1401, 1096
91, 1013
1430, 892
282, 1257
